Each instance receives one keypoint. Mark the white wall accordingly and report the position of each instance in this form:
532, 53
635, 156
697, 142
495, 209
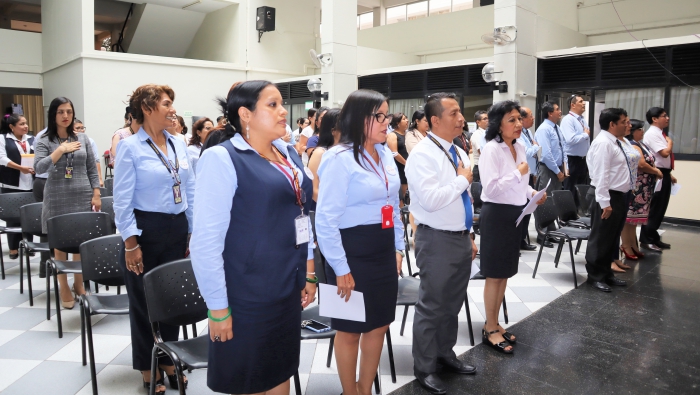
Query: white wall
217, 38
684, 205
165, 31
371, 58
67, 30
20, 65
551, 36
67, 81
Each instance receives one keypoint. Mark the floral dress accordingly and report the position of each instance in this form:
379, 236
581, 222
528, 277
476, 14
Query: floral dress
643, 191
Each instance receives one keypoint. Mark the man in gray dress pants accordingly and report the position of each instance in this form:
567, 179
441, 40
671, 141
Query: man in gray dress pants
439, 175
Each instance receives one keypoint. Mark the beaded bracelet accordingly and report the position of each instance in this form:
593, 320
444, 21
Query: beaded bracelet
222, 319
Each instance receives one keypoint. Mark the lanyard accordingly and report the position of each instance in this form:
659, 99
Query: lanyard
445, 152
578, 119
168, 165
464, 141
386, 179
294, 182
70, 156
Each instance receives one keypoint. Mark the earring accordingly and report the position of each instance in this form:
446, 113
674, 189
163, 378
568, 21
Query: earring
247, 132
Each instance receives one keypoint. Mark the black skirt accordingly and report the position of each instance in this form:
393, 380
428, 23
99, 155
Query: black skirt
500, 239
371, 255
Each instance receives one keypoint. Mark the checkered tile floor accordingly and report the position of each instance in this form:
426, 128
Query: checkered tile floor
34, 360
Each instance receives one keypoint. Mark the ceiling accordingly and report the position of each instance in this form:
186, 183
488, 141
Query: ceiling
203, 6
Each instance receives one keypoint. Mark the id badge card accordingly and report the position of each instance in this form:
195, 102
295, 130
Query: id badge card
177, 196
387, 216
301, 223
69, 171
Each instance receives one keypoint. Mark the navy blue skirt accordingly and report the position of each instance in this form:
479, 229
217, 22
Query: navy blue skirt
500, 240
371, 255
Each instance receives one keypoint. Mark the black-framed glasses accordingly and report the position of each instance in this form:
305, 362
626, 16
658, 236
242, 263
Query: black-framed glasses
381, 117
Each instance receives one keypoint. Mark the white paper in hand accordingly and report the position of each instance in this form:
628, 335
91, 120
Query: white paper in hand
675, 188
334, 306
532, 204
657, 188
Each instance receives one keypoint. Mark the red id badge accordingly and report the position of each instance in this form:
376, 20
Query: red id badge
387, 217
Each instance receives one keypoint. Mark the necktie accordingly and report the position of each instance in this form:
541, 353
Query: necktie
627, 162
561, 147
24, 146
673, 159
469, 218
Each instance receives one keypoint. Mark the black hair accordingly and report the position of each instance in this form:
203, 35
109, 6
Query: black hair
320, 112
547, 107
655, 112
496, 114
311, 112
610, 115
433, 107
52, 128
198, 127
356, 116
571, 100
183, 125
478, 114
127, 112
7, 120
636, 125
300, 121
76, 120
396, 120
328, 125
523, 113
417, 116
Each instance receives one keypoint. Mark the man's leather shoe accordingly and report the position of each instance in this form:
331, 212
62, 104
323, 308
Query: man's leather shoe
431, 382
547, 244
527, 247
454, 365
614, 281
651, 247
663, 245
599, 285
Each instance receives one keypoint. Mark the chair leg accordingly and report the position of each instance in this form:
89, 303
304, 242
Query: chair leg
2, 263
297, 383
48, 290
97, 288
106, 287
377, 386
391, 355
21, 269
578, 246
184, 332
194, 330
573, 265
91, 349
58, 303
505, 310
180, 375
558, 256
330, 352
29, 281
119, 290
534, 272
154, 366
82, 330
469, 320
403, 321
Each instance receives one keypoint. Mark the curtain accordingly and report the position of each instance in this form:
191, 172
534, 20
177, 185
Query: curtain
635, 101
685, 119
33, 111
406, 106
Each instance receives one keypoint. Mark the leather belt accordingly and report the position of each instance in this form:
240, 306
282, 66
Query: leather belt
451, 232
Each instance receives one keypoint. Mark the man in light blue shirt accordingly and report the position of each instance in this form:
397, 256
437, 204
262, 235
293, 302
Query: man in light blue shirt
578, 137
531, 151
553, 162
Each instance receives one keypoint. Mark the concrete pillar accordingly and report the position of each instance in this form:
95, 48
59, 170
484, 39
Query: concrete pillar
517, 60
339, 38
379, 14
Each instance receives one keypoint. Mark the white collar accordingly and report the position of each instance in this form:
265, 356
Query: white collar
444, 143
25, 137
573, 114
239, 142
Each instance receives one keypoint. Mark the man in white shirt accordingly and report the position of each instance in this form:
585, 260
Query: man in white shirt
478, 137
612, 178
577, 135
439, 176
662, 145
531, 151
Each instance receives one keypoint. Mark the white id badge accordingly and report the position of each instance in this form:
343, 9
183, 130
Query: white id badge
301, 223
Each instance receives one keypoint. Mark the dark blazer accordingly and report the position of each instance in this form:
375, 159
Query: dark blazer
10, 176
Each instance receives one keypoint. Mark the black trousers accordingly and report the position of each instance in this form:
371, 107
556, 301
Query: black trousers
163, 239
605, 237
13, 239
475, 172
38, 190
526, 219
578, 174
659, 203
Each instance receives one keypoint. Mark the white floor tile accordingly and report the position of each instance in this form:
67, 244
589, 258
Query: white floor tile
566, 288
388, 386
534, 306
115, 380
107, 347
319, 364
7, 335
4, 309
70, 320
13, 369
303, 382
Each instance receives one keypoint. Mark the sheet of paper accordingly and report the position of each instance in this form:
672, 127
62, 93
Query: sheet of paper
657, 188
675, 188
27, 160
532, 204
334, 306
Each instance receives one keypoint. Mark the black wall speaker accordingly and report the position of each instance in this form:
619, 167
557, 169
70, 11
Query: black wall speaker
265, 20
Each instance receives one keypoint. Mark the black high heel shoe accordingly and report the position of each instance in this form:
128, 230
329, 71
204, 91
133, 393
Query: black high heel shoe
500, 347
172, 379
510, 338
147, 385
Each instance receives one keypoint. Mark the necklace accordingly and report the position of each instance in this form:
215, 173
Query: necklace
131, 130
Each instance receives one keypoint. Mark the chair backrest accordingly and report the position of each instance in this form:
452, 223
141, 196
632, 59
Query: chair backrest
108, 207
583, 198
109, 186
11, 202
100, 259
476, 194
565, 204
545, 215
68, 231
172, 294
104, 192
30, 218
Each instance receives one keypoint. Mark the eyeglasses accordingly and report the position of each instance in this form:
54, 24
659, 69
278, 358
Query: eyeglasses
83, 128
381, 117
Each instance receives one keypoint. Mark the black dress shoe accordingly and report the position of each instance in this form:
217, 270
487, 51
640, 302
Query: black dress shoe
614, 281
651, 247
431, 382
528, 247
663, 245
546, 243
599, 286
454, 365
14, 256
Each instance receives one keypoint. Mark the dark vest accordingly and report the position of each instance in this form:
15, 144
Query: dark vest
261, 259
10, 176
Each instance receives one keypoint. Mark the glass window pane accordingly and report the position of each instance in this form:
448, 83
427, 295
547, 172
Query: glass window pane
395, 14
684, 128
416, 10
458, 5
440, 6
366, 20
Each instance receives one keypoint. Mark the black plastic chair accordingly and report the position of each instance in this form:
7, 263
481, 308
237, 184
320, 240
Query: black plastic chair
66, 233
104, 192
9, 212
173, 297
99, 260
584, 199
478, 276
546, 215
108, 207
30, 220
109, 187
475, 190
568, 214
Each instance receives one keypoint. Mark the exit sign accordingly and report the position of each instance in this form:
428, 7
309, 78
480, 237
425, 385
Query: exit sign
187, 114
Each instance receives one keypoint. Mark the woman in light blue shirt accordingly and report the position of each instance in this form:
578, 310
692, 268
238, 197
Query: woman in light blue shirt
153, 205
200, 132
360, 232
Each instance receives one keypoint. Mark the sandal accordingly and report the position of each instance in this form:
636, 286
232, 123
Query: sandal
500, 347
147, 385
510, 338
172, 379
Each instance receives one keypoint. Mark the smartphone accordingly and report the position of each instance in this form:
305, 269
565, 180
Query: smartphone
315, 326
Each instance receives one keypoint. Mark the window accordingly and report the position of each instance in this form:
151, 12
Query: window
440, 6
458, 5
684, 128
416, 10
365, 21
395, 14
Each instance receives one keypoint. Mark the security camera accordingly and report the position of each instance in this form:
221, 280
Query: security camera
523, 94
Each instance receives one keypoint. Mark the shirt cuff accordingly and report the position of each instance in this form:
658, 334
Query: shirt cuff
130, 232
4, 161
342, 269
217, 304
518, 176
462, 183
604, 203
310, 254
